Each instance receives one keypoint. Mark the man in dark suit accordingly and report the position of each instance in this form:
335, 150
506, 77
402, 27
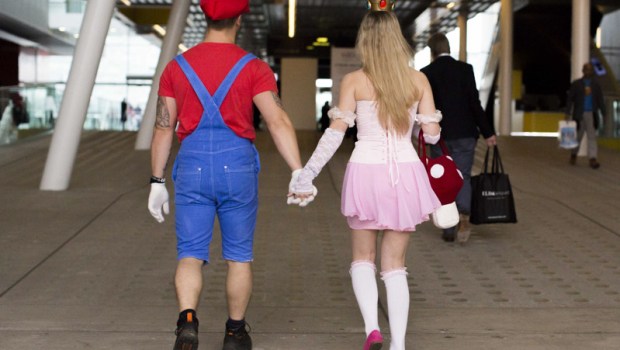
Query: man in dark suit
456, 96
585, 98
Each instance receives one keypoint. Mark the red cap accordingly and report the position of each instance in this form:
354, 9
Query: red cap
223, 9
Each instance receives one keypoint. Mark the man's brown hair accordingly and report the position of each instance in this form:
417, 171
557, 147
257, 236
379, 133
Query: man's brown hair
221, 24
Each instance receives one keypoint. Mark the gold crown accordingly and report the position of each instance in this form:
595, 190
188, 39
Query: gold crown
381, 5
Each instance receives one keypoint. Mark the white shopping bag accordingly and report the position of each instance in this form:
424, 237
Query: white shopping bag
567, 133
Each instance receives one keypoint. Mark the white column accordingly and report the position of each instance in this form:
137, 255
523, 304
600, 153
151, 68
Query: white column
462, 23
580, 48
74, 105
169, 49
505, 67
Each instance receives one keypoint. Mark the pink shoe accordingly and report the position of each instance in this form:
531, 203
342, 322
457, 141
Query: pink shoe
374, 341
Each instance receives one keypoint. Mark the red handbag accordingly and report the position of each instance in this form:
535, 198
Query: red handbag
445, 178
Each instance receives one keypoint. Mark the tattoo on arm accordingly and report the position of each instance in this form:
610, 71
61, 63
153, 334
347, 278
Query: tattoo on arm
163, 116
277, 100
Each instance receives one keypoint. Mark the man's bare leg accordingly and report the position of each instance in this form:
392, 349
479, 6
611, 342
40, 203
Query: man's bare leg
188, 282
238, 292
238, 289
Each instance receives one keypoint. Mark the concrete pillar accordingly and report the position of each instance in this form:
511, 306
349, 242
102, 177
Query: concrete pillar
462, 23
505, 67
298, 85
74, 105
580, 48
169, 49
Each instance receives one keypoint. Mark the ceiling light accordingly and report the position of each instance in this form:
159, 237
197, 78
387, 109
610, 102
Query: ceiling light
62, 29
159, 29
292, 8
126, 2
182, 47
322, 40
451, 5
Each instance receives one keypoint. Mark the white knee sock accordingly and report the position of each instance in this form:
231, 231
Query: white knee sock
398, 305
365, 289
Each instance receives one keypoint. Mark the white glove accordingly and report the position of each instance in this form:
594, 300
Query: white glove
301, 183
328, 144
310, 198
290, 199
158, 199
291, 190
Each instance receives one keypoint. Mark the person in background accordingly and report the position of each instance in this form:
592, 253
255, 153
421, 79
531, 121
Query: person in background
386, 187
585, 101
206, 96
124, 108
324, 121
456, 96
50, 109
8, 129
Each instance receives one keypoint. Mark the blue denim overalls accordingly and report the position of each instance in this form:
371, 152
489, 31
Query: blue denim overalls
215, 172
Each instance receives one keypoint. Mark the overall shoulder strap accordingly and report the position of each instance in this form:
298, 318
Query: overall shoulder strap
224, 87
202, 92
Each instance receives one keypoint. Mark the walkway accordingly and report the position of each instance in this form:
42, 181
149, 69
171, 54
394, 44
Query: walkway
88, 268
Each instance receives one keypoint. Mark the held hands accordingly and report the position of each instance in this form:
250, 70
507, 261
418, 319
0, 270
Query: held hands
158, 200
300, 189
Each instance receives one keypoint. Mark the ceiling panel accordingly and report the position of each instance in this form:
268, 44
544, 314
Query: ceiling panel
265, 29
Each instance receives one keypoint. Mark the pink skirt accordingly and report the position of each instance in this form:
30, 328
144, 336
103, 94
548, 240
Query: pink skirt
371, 202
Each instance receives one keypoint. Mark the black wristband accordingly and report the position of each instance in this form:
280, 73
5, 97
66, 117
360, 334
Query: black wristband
158, 180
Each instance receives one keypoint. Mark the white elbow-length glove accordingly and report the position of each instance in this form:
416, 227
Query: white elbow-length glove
158, 200
427, 119
328, 144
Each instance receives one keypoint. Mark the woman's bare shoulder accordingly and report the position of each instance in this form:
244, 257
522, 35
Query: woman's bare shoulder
417, 75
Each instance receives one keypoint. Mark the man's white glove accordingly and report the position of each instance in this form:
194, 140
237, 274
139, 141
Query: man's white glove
158, 200
292, 189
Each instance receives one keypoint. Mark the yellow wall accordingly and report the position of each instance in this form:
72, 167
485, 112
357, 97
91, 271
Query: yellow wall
517, 84
541, 121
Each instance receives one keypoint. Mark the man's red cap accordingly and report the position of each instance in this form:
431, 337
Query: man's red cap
223, 9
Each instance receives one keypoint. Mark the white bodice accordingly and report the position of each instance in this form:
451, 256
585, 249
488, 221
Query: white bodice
377, 146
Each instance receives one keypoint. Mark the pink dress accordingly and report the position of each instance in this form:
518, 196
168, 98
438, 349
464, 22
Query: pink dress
385, 185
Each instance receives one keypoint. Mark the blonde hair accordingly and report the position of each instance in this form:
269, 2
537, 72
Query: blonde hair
385, 57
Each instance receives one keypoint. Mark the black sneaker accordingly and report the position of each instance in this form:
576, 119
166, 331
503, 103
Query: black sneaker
187, 333
237, 339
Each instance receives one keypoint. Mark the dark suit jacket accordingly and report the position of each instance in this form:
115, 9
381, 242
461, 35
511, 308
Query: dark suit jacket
456, 96
576, 96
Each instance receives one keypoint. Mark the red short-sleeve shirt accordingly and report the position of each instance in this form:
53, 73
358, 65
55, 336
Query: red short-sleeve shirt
212, 62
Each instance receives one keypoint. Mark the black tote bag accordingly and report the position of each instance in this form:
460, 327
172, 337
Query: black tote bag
492, 201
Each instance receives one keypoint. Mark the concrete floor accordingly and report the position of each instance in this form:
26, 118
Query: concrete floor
88, 268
